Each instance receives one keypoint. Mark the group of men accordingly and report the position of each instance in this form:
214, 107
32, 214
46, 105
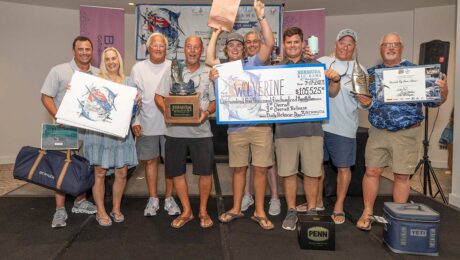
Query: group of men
393, 136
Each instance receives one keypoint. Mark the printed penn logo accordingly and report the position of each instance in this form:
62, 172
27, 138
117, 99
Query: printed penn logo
318, 234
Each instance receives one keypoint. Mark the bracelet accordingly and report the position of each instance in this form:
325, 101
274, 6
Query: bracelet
260, 18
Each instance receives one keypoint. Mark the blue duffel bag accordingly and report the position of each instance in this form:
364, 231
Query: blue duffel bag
71, 174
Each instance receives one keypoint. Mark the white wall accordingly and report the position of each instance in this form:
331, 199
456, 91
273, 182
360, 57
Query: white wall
30, 47
33, 40
454, 196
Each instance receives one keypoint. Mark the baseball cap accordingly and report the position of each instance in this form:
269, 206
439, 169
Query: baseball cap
347, 32
234, 36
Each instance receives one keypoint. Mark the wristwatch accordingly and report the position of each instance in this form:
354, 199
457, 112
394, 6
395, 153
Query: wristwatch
260, 18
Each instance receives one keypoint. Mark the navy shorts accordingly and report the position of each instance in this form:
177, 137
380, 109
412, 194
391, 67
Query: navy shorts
201, 153
340, 150
150, 147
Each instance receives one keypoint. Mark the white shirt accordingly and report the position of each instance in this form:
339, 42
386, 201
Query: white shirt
147, 77
344, 108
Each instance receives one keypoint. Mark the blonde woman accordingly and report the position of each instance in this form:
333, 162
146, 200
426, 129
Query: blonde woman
108, 152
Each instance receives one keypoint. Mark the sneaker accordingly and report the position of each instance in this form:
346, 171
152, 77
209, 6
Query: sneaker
152, 207
59, 218
171, 206
247, 202
275, 207
290, 221
84, 206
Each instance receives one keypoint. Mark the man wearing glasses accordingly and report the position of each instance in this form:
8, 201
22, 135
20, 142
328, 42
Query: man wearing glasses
149, 127
252, 44
195, 138
340, 130
394, 134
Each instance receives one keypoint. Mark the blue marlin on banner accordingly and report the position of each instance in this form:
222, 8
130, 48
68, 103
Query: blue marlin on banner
166, 22
98, 105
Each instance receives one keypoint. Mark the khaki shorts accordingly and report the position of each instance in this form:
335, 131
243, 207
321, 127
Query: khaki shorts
254, 142
308, 148
399, 149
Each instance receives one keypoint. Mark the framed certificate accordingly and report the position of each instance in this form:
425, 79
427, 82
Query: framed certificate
409, 84
59, 137
270, 94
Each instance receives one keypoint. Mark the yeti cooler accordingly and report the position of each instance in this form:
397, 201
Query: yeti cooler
412, 228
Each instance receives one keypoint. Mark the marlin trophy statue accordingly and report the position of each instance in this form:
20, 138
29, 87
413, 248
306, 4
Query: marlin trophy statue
179, 88
359, 79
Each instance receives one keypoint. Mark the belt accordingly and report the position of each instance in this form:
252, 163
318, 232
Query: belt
408, 127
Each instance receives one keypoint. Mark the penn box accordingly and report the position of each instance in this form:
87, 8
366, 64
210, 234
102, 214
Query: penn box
412, 228
316, 232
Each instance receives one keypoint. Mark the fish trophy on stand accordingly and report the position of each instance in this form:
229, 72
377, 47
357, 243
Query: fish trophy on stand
182, 105
359, 79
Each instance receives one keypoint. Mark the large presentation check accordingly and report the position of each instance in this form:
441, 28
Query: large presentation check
271, 94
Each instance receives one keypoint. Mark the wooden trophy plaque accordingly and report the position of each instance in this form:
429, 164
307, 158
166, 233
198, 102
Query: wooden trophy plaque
182, 109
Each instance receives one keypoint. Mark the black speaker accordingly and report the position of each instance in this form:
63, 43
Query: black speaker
435, 52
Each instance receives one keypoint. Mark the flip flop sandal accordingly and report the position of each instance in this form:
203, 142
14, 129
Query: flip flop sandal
368, 220
118, 218
180, 221
227, 217
338, 215
206, 221
104, 222
261, 224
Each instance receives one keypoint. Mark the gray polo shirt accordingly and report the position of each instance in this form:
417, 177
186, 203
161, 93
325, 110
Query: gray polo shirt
289, 130
202, 85
59, 77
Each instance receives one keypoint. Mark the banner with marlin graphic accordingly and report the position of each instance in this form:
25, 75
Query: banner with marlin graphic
177, 22
97, 104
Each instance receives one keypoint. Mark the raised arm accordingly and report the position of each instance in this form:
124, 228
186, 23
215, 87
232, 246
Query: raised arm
269, 41
211, 54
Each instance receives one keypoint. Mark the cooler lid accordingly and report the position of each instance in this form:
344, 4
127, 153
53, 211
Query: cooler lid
411, 211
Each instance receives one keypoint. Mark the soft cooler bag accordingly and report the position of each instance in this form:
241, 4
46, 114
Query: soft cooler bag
412, 228
54, 170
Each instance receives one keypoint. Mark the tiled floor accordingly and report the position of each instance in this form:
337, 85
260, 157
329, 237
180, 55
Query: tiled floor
7, 183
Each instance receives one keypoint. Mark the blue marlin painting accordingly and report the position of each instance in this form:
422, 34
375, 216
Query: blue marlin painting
98, 104
163, 21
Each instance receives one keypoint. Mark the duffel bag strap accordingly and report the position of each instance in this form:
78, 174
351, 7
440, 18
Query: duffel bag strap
63, 171
41, 153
